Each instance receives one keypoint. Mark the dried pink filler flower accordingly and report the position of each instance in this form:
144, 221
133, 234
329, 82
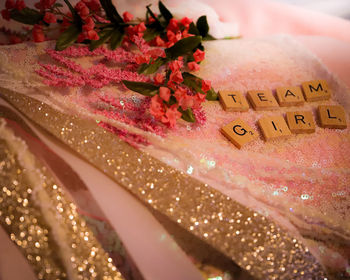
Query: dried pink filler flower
71, 74
131, 138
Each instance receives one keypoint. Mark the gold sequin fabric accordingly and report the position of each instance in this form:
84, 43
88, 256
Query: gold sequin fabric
255, 243
42, 221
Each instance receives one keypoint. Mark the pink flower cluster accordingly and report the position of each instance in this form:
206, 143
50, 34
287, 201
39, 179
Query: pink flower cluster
185, 99
12, 5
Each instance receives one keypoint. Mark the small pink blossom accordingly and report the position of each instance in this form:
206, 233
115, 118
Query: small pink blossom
44, 4
171, 116
198, 99
157, 107
185, 21
38, 34
193, 66
176, 77
206, 85
92, 35
89, 24
82, 9
93, 5
175, 65
10, 4
164, 93
158, 79
20, 5
127, 16
50, 17
198, 55
173, 25
6, 14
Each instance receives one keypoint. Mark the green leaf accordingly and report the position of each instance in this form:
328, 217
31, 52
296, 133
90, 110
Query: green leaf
147, 89
57, 5
76, 17
150, 34
111, 11
156, 24
193, 29
152, 68
195, 83
164, 12
67, 38
116, 39
202, 26
26, 16
188, 115
104, 36
183, 46
209, 38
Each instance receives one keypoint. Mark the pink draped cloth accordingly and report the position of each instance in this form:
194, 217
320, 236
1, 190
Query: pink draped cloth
328, 37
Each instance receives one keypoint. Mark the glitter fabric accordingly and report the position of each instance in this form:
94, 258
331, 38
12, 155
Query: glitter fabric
43, 222
252, 241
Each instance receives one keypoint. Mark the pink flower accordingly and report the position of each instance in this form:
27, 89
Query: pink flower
159, 41
44, 4
82, 9
38, 34
198, 99
185, 101
142, 59
6, 14
89, 24
173, 25
157, 107
15, 39
186, 22
141, 27
93, 5
127, 16
185, 34
164, 93
193, 66
176, 77
198, 55
158, 79
20, 5
10, 4
175, 65
92, 35
171, 116
173, 37
206, 85
50, 17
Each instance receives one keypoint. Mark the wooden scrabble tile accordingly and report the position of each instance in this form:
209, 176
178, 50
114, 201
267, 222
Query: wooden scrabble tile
332, 116
316, 90
233, 101
239, 133
290, 96
301, 122
274, 127
262, 100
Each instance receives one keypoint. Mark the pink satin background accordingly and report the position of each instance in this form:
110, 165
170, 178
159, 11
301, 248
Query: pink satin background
326, 36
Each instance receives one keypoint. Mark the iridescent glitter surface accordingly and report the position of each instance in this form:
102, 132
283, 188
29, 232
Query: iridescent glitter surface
43, 222
255, 243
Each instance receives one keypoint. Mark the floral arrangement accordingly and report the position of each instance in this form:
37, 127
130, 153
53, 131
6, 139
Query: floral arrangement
158, 53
